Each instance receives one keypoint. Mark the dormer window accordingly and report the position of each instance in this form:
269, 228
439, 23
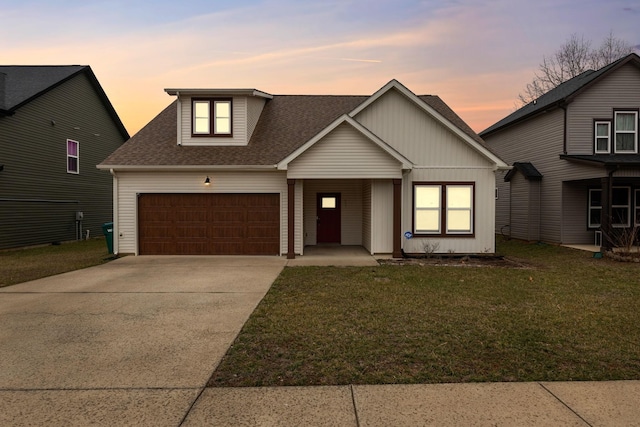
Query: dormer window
212, 117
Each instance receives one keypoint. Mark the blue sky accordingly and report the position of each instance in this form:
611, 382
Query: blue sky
477, 55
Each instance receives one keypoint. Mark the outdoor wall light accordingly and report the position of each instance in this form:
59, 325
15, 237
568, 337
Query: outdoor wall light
207, 182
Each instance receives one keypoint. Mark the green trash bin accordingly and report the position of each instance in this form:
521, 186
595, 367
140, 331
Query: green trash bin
107, 230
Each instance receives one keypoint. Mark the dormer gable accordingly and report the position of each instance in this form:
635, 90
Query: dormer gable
217, 117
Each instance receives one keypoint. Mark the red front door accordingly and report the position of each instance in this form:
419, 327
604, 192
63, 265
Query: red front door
328, 230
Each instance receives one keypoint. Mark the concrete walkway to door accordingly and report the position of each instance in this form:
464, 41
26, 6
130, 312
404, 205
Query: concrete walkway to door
131, 342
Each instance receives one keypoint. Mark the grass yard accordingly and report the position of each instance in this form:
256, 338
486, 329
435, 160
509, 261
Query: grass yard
22, 265
567, 316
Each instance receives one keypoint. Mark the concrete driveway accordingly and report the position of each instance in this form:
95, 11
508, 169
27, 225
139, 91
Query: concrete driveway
133, 341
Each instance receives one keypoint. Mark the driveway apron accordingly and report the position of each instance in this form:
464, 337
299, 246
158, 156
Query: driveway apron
134, 339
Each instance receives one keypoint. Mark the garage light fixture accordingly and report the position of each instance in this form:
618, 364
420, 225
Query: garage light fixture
207, 182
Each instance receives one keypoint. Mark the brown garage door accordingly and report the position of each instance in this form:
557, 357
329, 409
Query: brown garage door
209, 224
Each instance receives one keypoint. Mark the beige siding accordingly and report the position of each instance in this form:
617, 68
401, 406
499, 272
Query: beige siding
351, 209
366, 215
344, 153
382, 216
619, 90
484, 214
254, 109
239, 105
132, 183
419, 137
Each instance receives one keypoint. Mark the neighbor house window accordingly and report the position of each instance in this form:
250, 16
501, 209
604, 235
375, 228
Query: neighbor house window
73, 156
620, 206
626, 131
602, 137
443, 208
211, 117
595, 207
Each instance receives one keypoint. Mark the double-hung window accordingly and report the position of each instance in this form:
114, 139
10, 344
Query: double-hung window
626, 131
620, 206
73, 156
443, 209
212, 117
595, 207
602, 133
637, 206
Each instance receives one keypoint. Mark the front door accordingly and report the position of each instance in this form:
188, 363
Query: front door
328, 230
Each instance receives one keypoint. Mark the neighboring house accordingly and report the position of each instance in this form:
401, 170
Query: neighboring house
226, 171
56, 125
576, 175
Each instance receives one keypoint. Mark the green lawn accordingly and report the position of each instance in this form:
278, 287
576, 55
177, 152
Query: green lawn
567, 316
22, 265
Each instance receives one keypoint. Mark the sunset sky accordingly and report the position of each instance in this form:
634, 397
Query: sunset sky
476, 55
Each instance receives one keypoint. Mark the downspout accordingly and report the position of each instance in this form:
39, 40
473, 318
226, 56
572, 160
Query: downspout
179, 119
116, 233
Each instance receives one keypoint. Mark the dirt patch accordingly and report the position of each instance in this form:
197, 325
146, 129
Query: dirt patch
459, 261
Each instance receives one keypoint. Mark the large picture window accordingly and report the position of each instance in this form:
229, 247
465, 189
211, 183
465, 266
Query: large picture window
211, 117
626, 131
443, 209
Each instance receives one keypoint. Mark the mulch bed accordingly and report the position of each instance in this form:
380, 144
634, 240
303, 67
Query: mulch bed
458, 261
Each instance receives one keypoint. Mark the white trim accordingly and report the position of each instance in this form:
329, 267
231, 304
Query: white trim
406, 163
595, 137
635, 132
186, 167
636, 211
627, 206
591, 207
394, 84
76, 156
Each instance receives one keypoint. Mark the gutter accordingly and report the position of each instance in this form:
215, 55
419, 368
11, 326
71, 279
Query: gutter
184, 167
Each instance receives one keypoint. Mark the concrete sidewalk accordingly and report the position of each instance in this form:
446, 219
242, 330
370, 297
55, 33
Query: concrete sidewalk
481, 404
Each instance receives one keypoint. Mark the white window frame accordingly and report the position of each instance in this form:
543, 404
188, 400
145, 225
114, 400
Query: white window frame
443, 209
634, 132
73, 156
596, 137
627, 206
591, 207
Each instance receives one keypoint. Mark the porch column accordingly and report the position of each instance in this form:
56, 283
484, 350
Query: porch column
605, 214
291, 226
397, 218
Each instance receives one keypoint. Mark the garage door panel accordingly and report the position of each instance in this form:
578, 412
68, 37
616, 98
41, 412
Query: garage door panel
209, 224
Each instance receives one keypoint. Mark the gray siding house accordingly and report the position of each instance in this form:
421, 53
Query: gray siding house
56, 125
575, 158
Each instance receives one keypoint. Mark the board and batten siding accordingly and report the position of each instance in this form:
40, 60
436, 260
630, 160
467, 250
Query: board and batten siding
129, 184
344, 153
484, 210
366, 215
539, 141
239, 124
351, 197
413, 133
38, 198
618, 90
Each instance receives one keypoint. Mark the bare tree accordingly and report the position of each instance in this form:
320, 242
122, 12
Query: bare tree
573, 58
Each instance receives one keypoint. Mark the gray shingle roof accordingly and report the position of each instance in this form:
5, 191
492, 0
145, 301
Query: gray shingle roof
526, 169
286, 123
25, 82
606, 159
20, 84
560, 94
